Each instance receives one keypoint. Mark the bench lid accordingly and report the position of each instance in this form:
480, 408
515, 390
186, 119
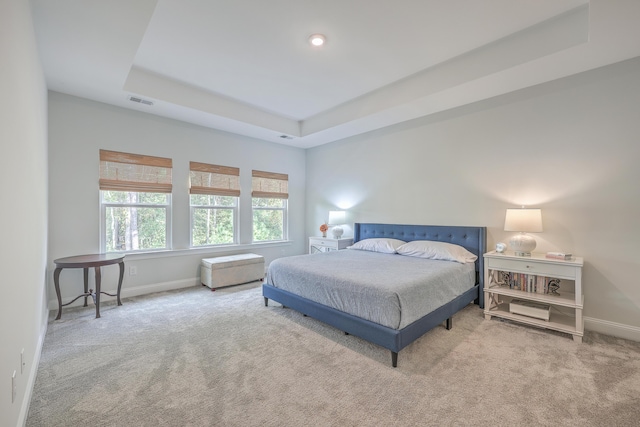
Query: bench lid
232, 260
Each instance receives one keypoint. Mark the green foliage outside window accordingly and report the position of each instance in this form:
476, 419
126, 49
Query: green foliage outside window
268, 219
135, 221
212, 219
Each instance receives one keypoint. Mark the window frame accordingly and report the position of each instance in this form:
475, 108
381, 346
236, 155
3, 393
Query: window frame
135, 173
236, 215
270, 185
214, 180
103, 221
285, 220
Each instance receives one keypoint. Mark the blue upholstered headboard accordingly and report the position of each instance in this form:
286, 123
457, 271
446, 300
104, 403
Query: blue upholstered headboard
474, 239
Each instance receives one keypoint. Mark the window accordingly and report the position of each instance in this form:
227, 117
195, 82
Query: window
135, 202
214, 192
269, 203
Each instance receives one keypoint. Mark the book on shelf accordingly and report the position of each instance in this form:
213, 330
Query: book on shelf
541, 283
530, 308
528, 283
558, 255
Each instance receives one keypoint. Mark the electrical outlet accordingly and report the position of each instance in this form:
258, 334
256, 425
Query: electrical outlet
133, 270
14, 387
23, 363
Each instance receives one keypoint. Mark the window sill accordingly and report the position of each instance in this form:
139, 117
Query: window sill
202, 250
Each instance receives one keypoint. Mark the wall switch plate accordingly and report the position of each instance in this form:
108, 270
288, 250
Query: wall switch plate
133, 270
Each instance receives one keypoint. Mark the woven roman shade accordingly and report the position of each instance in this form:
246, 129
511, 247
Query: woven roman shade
214, 180
134, 172
270, 185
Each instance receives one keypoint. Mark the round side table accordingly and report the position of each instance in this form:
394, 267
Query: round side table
85, 262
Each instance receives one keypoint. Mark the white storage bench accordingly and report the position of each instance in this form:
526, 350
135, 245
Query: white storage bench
231, 270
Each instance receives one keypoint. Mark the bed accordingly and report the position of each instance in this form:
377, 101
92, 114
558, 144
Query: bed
385, 308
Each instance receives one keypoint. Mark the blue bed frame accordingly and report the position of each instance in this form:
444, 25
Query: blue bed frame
471, 238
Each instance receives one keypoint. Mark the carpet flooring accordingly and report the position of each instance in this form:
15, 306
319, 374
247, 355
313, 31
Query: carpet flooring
193, 357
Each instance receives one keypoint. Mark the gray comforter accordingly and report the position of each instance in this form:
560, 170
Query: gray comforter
389, 289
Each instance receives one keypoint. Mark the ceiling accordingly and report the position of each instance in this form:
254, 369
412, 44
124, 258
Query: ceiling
245, 66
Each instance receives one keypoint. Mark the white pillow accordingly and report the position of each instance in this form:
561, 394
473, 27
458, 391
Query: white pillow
437, 250
384, 245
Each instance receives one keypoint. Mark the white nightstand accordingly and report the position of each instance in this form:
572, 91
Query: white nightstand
565, 309
326, 244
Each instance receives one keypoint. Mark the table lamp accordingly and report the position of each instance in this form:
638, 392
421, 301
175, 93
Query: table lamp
524, 221
335, 219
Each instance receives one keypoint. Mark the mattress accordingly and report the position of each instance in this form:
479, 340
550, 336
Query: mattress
389, 289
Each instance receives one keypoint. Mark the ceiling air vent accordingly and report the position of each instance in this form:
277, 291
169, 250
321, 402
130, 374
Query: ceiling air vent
286, 137
140, 100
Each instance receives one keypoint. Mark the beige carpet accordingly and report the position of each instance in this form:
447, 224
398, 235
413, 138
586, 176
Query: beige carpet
199, 358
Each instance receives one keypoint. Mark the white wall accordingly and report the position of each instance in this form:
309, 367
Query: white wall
23, 189
79, 128
569, 147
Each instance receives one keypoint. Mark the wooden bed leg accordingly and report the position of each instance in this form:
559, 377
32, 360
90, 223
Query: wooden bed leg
449, 323
266, 302
394, 359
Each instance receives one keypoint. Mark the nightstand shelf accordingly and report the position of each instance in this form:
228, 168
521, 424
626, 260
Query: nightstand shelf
565, 309
558, 321
326, 244
565, 299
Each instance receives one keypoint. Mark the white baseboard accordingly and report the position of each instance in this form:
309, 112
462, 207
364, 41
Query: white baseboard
127, 292
612, 328
31, 381
159, 287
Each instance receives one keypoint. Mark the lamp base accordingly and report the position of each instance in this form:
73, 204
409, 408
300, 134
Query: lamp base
337, 232
522, 244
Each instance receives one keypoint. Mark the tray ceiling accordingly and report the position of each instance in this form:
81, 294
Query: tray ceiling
246, 66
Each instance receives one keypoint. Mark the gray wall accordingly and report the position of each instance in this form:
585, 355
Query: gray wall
570, 147
79, 128
23, 188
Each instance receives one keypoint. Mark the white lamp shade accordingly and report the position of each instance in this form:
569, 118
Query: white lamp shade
524, 220
337, 217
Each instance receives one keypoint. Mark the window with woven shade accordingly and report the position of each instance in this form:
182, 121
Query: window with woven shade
214, 194
135, 201
269, 194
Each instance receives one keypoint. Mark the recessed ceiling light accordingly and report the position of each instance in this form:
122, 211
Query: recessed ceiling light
317, 40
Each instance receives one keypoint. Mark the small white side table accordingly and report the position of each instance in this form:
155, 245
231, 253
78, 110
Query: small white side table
566, 307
